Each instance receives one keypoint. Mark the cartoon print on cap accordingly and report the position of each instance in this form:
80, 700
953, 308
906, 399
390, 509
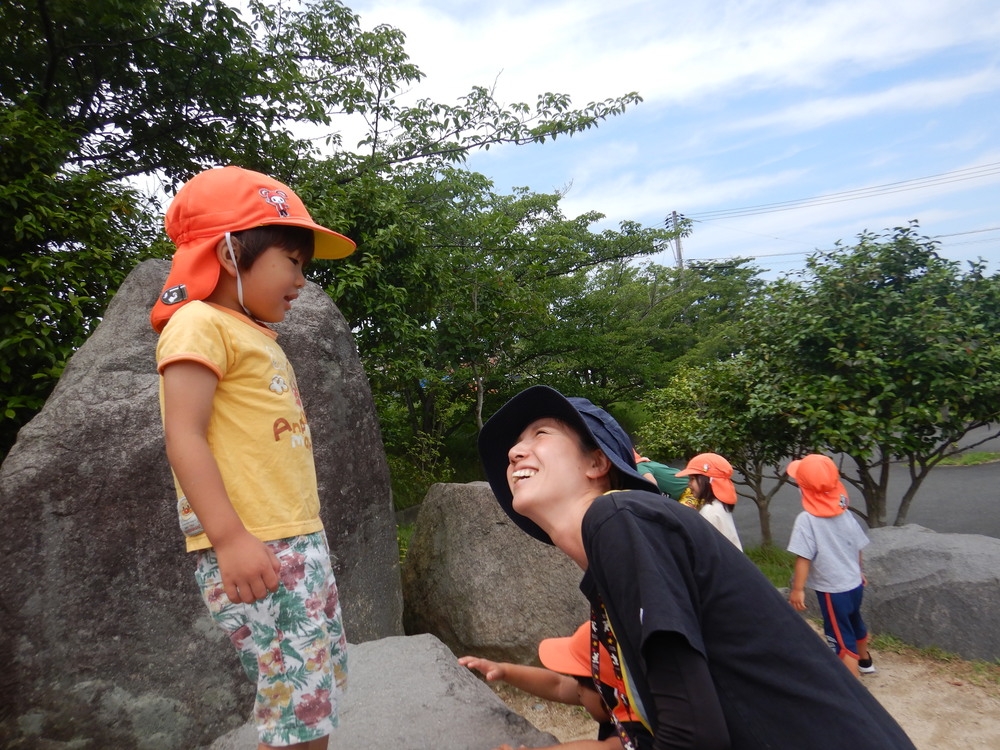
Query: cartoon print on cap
276, 198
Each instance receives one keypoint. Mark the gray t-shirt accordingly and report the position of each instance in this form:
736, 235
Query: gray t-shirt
833, 545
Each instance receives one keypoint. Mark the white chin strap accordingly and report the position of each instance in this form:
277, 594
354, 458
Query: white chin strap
239, 281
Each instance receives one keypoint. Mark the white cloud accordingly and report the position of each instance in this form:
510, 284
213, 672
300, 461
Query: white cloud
671, 52
914, 95
747, 102
648, 194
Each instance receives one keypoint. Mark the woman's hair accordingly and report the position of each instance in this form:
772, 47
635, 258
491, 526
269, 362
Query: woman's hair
250, 243
587, 445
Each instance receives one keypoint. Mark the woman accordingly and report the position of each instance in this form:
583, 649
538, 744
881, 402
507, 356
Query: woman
711, 655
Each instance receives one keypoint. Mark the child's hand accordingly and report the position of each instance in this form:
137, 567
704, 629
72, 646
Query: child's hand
249, 568
490, 669
797, 599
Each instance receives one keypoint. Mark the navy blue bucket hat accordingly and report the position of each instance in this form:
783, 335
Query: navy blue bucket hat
503, 429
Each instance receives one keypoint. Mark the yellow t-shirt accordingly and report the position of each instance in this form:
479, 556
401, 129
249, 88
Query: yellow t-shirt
258, 431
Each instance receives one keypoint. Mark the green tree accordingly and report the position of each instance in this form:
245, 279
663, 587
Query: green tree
883, 352
92, 94
450, 289
69, 239
96, 93
625, 327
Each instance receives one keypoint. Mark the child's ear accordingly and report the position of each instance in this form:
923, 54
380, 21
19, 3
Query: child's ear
600, 465
224, 257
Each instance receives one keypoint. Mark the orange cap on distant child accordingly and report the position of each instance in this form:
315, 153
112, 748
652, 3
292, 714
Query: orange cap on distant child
823, 494
228, 199
719, 472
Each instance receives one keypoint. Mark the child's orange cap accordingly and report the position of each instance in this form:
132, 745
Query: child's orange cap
718, 470
823, 494
572, 656
229, 199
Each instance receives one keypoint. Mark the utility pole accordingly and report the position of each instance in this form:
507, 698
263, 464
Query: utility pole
678, 253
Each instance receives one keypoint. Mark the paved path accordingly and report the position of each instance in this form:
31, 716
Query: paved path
953, 499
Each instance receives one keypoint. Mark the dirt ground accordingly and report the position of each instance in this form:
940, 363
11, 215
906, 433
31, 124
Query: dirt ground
942, 705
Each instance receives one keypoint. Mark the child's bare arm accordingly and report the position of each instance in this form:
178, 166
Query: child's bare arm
538, 681
249, 568
797, 596
611, 743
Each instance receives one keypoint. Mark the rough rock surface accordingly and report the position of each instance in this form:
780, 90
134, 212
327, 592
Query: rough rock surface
480, 584
932, 589
408, 693
103, 638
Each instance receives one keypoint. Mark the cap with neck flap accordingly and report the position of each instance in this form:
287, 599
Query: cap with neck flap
217, 201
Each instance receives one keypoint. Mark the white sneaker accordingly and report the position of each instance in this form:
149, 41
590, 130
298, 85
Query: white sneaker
865, 666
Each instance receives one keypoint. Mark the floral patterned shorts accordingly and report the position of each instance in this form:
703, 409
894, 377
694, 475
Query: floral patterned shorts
291, 643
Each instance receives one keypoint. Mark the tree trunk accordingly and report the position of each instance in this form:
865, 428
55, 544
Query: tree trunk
479, 396
764, 516
911, 492
874, 490
754, 478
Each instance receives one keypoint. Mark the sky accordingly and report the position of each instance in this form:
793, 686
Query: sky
849, 115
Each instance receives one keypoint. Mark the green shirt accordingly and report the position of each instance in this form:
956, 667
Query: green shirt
666, 478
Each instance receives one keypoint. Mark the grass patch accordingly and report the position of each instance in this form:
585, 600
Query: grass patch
404, 532
972, 458
977, 671
775, 563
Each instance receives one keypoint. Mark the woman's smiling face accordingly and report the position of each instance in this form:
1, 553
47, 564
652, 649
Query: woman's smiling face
545, 463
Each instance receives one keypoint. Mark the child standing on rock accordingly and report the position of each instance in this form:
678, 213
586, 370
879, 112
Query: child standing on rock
240, 447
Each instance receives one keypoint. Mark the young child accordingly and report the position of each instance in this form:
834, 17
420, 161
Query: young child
568, 678
828, 542
711, 655
710, 480
239, 444
666, 478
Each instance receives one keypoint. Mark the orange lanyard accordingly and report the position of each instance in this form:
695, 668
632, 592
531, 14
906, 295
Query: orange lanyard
601, 632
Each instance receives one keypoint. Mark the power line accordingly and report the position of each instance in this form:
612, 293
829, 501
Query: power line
971, 231
977, 242
919, 183
815, 249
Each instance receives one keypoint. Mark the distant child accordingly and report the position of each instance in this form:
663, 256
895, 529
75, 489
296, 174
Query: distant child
240, 447
828, 542
712, 485
665, 477
568, 678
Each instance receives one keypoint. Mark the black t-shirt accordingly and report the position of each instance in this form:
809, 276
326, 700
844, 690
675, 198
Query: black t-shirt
661, 568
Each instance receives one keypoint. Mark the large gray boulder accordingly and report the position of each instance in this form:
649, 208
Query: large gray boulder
103, 638
931, 589
480, 584
409, 693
